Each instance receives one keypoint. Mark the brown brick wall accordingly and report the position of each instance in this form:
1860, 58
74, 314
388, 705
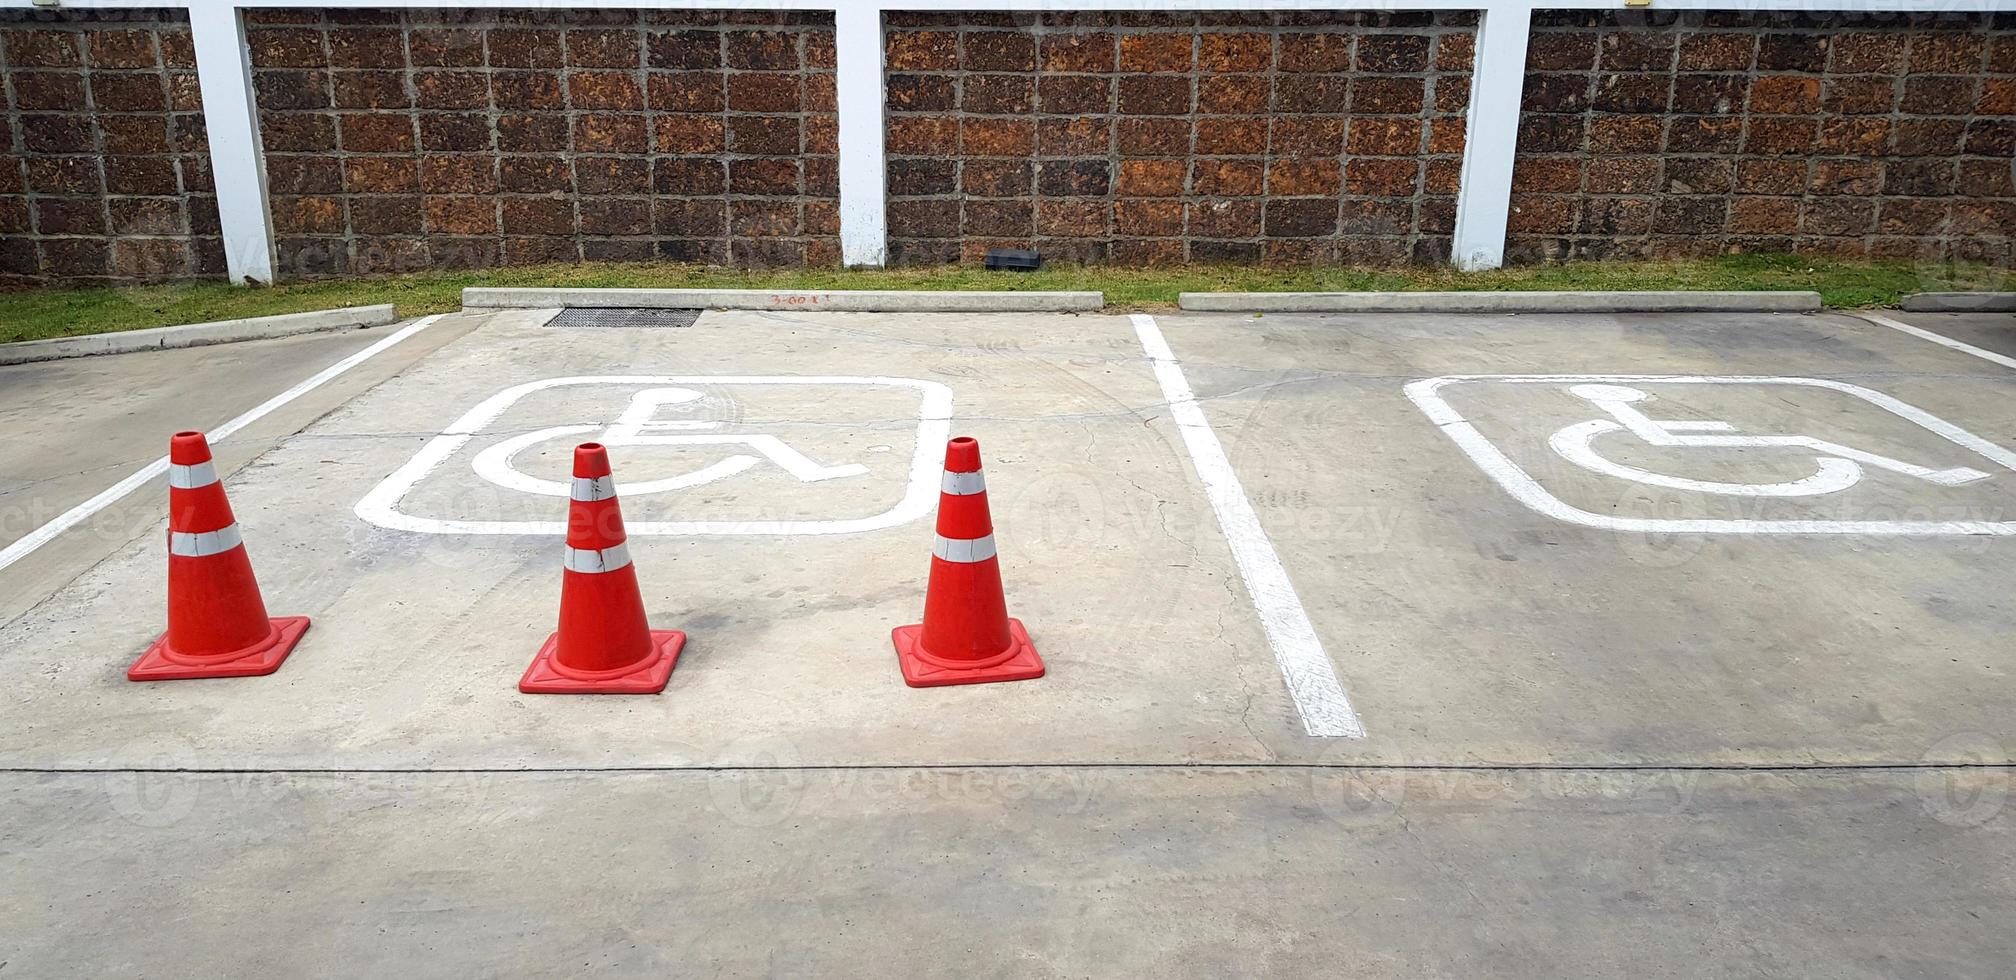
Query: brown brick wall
1153, 138
106, 175
432, 138
1863, 136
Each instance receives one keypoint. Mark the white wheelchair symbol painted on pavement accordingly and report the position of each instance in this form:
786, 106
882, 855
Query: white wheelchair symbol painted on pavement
1621, 399
907, 493
641, 417
1839, 467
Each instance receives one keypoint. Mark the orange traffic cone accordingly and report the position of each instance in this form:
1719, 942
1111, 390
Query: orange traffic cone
217, 624
604, 645
966, 636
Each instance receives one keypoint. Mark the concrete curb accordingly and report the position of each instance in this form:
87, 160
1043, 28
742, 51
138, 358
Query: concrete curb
1960, 303
837, 301
1677, 301
197, 334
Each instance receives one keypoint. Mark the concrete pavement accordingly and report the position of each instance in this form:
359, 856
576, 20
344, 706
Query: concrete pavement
1666, 725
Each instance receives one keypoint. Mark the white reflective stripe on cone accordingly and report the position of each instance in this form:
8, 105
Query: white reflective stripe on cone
203, 544
192, 476
594, 488
963, 484
964, 550
591, 561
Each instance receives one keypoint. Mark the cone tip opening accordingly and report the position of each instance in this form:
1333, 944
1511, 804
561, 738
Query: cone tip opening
189, 447
591, 459
962, 454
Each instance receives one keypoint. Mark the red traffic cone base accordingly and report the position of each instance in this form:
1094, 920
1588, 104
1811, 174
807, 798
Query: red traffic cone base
160, 663
649, 676
920, 669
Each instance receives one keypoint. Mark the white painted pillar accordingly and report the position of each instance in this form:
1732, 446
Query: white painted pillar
864, 221
237, 161
1484, 200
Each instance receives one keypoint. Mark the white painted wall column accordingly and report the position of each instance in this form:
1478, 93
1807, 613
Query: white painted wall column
864, 221
1484, 201
237, 161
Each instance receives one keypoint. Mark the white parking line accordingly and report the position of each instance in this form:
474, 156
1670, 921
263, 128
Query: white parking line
147, 474
1923, 334
1312, 679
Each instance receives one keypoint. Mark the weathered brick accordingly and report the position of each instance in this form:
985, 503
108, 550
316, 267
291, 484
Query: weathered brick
923, 93
1305, 178
538, 216
445, 47
690, 134
31, 47
1014, 218
1153, 137
1872, 53
1079, 52
1072, 217
1781, 136
924, 218
1157, 52
1074, 178
1792, 52
681, 50
122, 49
1392, 52
1000, 51
1946, 52
1764, 215
1547, 175
375, 133
356, 47
1387, 95
1223, 53
1838, 216
765, 136
1232, 95
1152, 178
1623, 175
914, 135
603, 49
1224, 219
684, 177
763, 50
381, 175
1785, 94
1556, 51
1382, 178
768, 177
1381, 136
1914, 137
1733, 51
1304, 136
996, 178
1227, 178
1299, 218
1713, 94
1918, 178
998, 94
922, 51
1154, 95
996, 137
370, 90
1313, 52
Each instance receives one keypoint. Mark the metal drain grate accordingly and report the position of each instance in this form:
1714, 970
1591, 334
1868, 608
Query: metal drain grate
584, 316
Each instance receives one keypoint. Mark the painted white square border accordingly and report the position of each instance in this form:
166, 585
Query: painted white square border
1426, 394
934, 426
